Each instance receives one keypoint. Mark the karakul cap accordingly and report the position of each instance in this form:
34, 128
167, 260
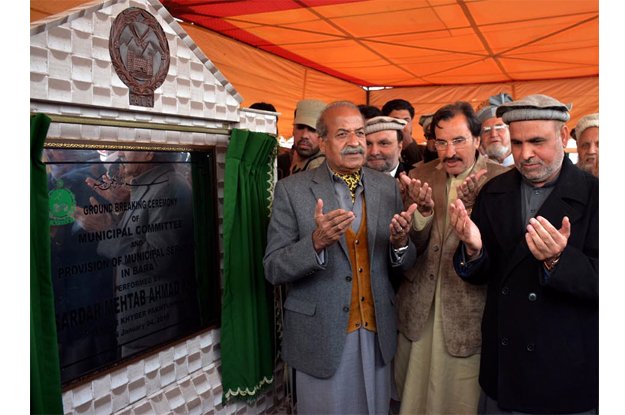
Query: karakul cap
487, 113
490, 109
425, 120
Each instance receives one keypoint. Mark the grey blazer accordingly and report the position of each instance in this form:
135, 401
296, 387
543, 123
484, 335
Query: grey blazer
318, 296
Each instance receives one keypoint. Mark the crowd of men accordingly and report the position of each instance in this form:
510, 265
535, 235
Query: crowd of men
456, 277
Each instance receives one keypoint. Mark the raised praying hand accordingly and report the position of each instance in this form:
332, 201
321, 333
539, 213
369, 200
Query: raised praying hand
416, 192
468, 189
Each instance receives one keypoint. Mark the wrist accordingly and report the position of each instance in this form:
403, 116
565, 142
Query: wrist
317, 246
399, 245
472, 253
550, 263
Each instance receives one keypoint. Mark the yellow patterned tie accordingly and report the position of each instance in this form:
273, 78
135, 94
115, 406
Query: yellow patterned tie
351, 180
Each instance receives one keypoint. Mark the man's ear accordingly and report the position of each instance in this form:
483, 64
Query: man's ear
564, 134
149, 155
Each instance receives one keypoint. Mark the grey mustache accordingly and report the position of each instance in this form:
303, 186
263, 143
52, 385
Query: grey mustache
353, 150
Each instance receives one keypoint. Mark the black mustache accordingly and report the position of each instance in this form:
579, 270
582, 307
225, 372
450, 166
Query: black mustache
454, 158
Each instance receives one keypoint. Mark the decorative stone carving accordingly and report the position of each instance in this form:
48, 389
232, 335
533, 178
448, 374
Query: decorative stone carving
139, 53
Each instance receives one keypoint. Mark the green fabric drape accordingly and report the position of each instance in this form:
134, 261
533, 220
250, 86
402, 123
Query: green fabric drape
247, 306
45, 373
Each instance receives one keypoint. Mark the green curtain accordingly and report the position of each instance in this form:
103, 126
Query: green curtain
247, 306
45, 374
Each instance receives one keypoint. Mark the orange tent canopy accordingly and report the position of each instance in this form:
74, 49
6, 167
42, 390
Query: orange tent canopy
431, 51
417, 42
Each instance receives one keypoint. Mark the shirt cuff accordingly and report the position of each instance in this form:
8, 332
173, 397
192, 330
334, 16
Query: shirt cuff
397, 255
419, 222
467, 265
321, 257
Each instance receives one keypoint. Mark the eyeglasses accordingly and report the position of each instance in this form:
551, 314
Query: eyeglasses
457, 142
496, 127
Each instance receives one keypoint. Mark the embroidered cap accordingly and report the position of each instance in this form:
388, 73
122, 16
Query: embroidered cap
383, 123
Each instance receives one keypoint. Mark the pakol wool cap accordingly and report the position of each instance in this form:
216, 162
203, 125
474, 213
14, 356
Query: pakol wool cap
308, 111
383, 123
534, 107
587, 121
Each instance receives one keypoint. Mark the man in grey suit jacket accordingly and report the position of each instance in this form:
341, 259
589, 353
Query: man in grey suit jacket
334, 235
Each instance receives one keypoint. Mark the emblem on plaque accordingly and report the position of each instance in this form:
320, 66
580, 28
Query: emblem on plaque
139, 53
61, 204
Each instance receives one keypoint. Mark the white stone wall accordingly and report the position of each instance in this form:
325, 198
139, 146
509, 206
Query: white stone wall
182, 379
258, 120
128, 136
71, 75
70, 62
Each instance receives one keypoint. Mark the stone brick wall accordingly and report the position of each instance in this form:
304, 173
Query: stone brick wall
70, 62
71, 75
182, 379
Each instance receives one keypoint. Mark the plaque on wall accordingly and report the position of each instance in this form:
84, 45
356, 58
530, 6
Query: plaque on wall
130, 243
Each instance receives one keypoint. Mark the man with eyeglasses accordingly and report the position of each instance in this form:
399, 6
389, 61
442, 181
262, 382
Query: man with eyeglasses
437, 361
532, 239
335, 235
495, 135
587, 137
